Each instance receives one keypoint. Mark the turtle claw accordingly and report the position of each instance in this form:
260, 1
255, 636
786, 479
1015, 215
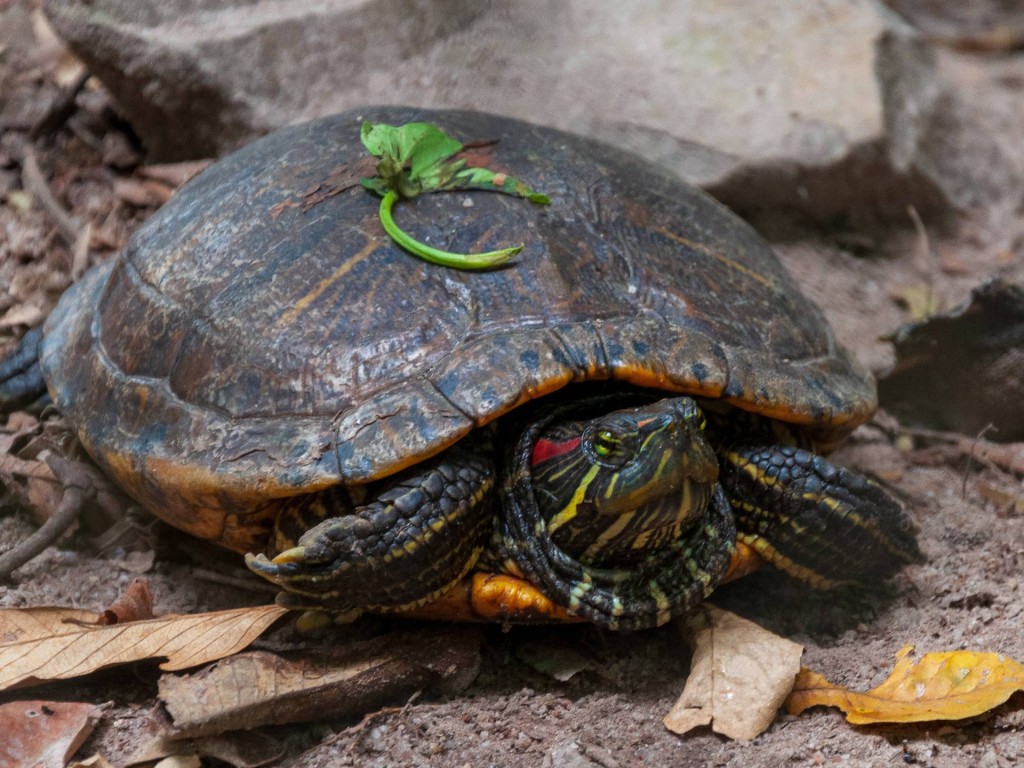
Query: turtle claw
276, 570
307, 585
304, 564
259, 564
293, 555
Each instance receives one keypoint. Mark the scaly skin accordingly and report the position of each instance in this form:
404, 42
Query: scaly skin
624, 518
637, 484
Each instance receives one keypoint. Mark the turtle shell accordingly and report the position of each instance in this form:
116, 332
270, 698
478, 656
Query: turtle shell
261, 336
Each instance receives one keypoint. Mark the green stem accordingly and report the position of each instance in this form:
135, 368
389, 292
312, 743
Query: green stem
487, 260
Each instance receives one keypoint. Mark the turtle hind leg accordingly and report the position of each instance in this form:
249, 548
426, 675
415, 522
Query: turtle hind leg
416, 538
817, 522
21, 378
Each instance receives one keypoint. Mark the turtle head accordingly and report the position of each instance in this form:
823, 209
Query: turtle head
613, 488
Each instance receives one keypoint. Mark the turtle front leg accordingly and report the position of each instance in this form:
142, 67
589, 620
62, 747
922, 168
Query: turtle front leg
417, 538
815, 521
21, 378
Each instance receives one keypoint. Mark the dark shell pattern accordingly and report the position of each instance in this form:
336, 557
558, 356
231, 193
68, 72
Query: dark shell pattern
262, 337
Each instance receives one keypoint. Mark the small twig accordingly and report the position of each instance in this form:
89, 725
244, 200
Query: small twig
240, 582
924, 258
10, 123
60, 110
1004, 457
32, 179
12, 466
106, 496
357, 729
80, 253
930, 434
82, 484
970, 458
77, 491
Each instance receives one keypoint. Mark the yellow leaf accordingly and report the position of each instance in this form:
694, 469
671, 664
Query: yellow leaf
918, 300
40, 645
939, 686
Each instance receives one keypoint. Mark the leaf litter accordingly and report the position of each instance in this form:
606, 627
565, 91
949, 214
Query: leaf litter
60, 616
950, 685
739, 676
55, 644
44, 734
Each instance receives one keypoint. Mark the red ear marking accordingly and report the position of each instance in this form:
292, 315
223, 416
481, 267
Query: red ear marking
543, 450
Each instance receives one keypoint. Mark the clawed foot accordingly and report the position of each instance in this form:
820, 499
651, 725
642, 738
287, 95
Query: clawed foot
316, 567
309, 582
818, 522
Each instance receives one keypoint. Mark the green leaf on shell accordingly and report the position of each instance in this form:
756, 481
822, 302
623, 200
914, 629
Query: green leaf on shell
416, 158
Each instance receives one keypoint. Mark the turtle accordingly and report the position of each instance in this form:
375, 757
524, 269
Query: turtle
606, 420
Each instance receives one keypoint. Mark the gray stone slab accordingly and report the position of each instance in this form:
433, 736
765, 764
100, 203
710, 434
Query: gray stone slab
824, 108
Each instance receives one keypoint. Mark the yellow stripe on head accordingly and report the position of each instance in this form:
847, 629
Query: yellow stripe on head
609, 534
569, 512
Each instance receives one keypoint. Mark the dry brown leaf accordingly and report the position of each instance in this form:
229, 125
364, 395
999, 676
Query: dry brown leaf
12, 466
260, 688
739, 677
34, 483
20, 427
246, 749
141, 193
66, 67
173, 174
44, 734
1009, 503
950, 685
150, 738
22, 314
1007, 456
17, 624
180, 761
134, 604
46, 647
21, 423
94, 761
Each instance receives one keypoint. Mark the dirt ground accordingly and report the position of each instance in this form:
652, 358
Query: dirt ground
967, 595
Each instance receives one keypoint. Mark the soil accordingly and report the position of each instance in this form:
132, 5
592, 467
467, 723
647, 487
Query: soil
968, 594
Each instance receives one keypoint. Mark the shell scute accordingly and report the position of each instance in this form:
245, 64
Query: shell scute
254, 342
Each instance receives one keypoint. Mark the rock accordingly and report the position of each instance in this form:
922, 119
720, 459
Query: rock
822, 108
980, 25
963, 370
931, 133
568, 754
15, 33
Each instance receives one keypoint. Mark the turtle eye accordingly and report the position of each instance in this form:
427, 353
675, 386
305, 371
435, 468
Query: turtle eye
610, 446
605, 443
